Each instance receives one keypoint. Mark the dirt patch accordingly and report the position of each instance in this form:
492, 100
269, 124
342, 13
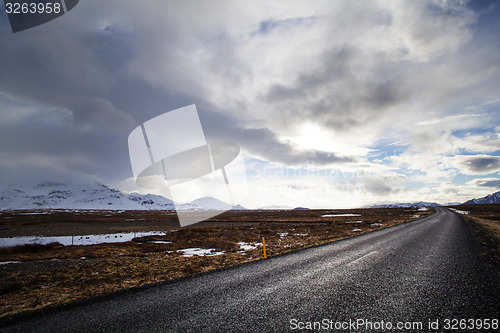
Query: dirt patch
52, 274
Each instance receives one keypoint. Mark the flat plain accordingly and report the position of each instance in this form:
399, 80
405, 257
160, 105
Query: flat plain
43, 275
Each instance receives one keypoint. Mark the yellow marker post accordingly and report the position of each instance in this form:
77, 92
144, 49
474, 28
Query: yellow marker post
264, 247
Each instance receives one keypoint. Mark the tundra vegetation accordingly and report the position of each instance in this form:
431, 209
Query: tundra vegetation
33, 276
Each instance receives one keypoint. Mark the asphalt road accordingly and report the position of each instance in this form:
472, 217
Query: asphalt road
422, 271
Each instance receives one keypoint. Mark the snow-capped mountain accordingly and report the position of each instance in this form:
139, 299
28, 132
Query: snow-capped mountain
407, 205
211, 203
493, 198
49, 195
90, 196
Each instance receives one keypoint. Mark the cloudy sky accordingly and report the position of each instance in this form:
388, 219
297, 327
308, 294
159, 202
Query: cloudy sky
333, 103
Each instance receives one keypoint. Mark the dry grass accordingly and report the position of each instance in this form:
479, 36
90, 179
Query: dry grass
486, 221
492, 227
83, 271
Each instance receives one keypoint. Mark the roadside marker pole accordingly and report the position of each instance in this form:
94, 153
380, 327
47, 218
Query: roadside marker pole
264, 247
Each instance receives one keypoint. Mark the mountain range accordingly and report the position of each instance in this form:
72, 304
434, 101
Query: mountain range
493, 198
49, 195
407, 205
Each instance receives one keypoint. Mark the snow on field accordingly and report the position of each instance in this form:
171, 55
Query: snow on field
357, 229
338, 215
422, 209
283, 234
35, 213
301, 234
459, 211
377, 224
76, 240
353, 221
196, 251
248, 246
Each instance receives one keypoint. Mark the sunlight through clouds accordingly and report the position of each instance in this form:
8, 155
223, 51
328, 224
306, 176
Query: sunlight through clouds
403, 95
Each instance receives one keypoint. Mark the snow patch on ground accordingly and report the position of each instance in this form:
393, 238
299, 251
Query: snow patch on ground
354, 222
35, 213
459, 211
357, 229
196, 251
338, 215
248, 246
9, 262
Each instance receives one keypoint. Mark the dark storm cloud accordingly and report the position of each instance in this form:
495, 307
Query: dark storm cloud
61, 151
377, 187
483, 164
337, 95
489, 183
60, 70
108, 66
68, 73
383, 185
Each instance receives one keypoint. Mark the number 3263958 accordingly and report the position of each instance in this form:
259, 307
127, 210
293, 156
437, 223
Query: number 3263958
32, 8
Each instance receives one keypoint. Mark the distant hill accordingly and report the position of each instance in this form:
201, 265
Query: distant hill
210, 203
49, 195
493, 198
407, 205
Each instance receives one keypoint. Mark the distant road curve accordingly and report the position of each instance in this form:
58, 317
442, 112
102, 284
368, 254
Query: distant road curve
416, 272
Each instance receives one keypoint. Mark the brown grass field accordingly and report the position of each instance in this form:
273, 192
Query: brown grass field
485, 219
54, 274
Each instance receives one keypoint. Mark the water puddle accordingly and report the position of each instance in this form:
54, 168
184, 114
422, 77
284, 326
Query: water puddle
77, 240
9, 262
